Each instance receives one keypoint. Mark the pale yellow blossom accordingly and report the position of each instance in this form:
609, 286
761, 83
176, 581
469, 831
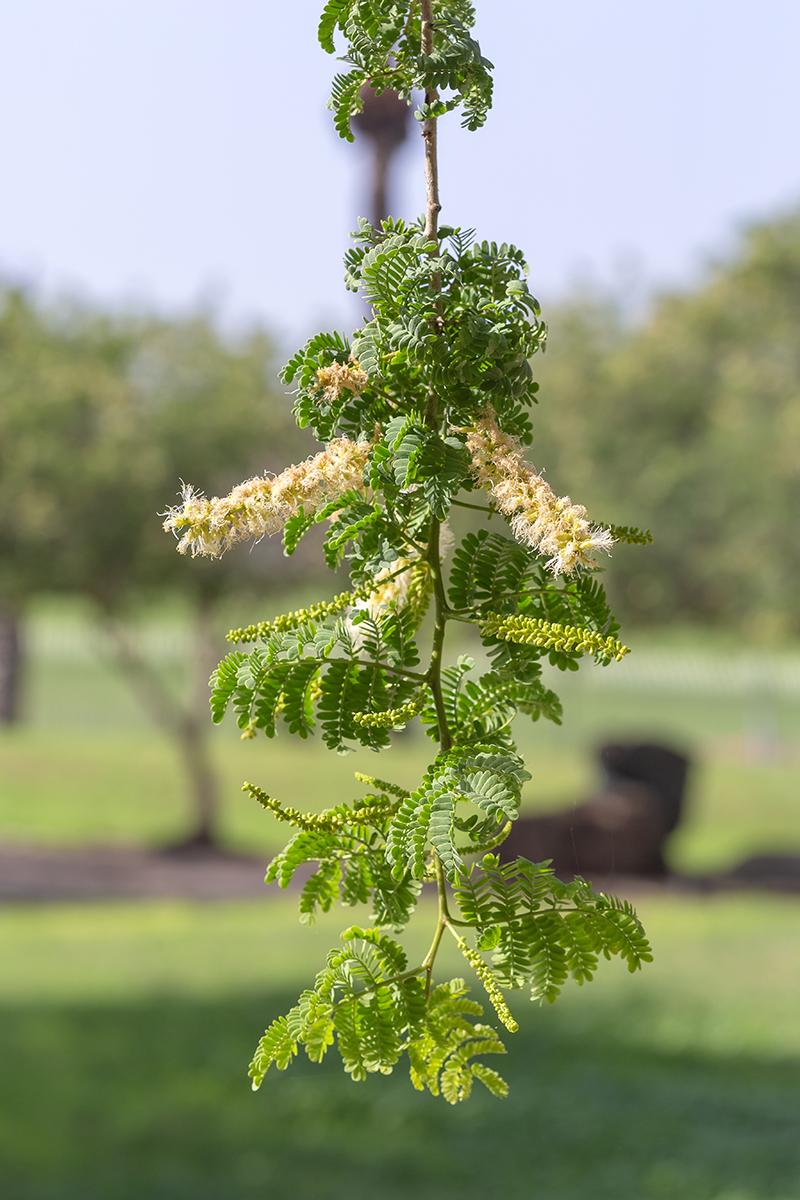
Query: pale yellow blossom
539, 518
392, 585
262, 506
408, 581
339, 377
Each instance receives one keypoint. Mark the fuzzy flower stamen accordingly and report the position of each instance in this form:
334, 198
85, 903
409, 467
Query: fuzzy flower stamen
539, 518
339, 377
408, 582
262, 506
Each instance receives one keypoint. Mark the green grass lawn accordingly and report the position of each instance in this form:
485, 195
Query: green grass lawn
88, 766
71, 787
126, 1031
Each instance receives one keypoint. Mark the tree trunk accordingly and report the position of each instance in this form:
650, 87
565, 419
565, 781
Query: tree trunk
203, 787
10, 666
196, 748
188, 724
382, 157
384, 119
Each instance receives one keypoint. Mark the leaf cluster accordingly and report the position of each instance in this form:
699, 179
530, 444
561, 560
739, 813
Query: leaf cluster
348, 844
363, 998
477, 776
324, 672
452, 314
384, 40
524, 612
374, 1009
542, 931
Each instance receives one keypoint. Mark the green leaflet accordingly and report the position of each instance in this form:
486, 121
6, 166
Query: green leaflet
334, 13
320, 891
488, 569
343, 693
352, 520
276, 1046
619, 931
347, 843
481, 711
549, 970
364, 1003
407, 836
319, 351
307, 846
345, 100
223, 683
294, 529
491, 703
357, 884
440, 831
440, 1058
545, 931
406, 453
439, 465
362, 999
269, 690
630, 535
393, 900
494, 575
490, 780
389, 638
295, 674
451, 682
442, 469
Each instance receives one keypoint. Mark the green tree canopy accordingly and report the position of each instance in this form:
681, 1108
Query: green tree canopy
100, 418
690, 424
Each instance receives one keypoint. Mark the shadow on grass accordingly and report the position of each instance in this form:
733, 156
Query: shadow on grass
151, 1103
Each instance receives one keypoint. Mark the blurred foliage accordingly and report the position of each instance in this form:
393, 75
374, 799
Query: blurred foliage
690, 424
100, 418
124, 1028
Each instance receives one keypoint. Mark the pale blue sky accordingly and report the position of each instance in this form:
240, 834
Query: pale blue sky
169, 150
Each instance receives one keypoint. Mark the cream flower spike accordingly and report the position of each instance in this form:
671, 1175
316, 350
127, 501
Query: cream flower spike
262, 506
539, 518
339, 377
392, 584
407, 581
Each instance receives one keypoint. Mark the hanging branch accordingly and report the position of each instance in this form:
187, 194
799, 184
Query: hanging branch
429, 400
429, 130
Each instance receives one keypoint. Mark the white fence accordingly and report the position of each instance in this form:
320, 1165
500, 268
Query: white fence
62, 641
738, 673
743, 673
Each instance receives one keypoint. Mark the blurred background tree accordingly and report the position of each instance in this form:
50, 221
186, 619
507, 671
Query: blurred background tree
384, 121
690, 423
100, 418
698, 437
